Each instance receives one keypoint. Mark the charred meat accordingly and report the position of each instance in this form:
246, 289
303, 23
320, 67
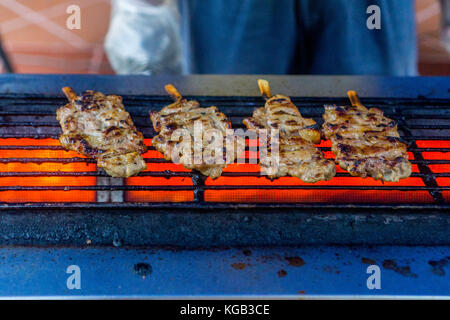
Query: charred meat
298, 157
184, 115
98, 126
365, 142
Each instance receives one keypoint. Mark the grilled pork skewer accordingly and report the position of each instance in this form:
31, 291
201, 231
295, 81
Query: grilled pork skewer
99, 127
365, 142
183, 114
298, 157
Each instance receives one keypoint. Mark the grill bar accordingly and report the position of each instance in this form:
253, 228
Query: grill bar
32, 117
346, 210
199, 187
163, 174
150, 148
155, 160
56, 125
203, 188
427, 175
56, 136
224, 205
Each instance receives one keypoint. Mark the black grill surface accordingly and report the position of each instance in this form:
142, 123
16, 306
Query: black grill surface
205, 223
25, 116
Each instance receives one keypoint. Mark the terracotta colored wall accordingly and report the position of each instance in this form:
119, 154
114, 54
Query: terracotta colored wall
434, 59
38, 41
35, 35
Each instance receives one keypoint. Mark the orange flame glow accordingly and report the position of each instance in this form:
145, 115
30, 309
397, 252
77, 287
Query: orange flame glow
241, 195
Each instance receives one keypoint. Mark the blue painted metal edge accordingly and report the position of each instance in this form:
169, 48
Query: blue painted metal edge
312, 272
231, 85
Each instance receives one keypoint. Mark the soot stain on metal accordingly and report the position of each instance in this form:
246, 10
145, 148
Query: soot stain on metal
117, 242
368, 261
142, 269
239, 265
265, 258
295, 261
437, 266
282, 273
403, 270
331, 269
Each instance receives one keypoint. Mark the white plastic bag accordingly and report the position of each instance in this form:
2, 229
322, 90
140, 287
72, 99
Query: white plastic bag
144, 37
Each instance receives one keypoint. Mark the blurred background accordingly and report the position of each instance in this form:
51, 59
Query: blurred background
35, 37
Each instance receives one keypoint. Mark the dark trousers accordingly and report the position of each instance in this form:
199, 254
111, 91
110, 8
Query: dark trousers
298, 37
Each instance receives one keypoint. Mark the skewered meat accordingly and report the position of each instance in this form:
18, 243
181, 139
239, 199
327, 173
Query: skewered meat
365, 142
184, 115
99, 127
298, 156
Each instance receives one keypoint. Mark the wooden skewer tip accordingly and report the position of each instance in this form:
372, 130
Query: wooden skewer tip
264, 88
70, 93
354, 99
173, 92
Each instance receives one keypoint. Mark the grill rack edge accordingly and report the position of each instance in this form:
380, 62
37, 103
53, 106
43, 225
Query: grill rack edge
401, 110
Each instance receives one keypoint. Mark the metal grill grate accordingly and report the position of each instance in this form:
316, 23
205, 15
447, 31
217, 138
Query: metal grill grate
28, 128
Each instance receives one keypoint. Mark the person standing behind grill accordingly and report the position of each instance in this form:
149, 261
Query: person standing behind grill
262, 37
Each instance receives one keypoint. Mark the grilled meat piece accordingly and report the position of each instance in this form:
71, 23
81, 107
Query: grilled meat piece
365, 142
298, 157
99, 127
183, 114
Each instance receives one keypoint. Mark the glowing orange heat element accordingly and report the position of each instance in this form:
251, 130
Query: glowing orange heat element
291, 181
315, 195
29, 142
159, 196
241, 195
63, 181
438, 168
444, 182
436, 155
44, 181
322, 196
433, 144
